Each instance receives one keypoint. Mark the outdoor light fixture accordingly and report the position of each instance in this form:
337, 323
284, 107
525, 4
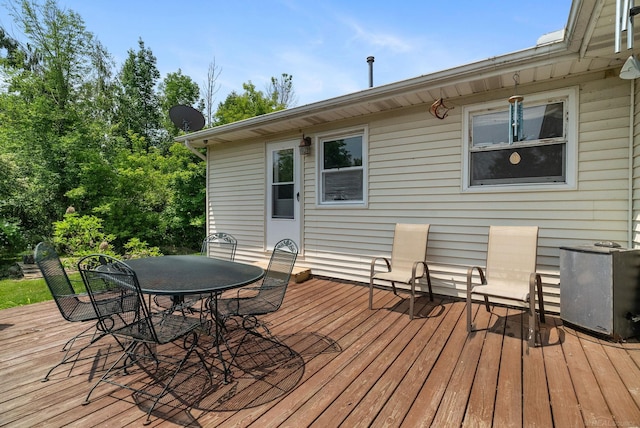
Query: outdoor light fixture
305, 145
631, 69
515, 113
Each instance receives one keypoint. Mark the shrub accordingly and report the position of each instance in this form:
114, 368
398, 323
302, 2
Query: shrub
11, 239
135, 249
80, 235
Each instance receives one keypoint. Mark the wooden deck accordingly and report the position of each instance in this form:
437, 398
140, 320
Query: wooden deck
339, 364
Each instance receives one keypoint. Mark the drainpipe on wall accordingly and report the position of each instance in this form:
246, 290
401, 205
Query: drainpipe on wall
194, 151
632, 109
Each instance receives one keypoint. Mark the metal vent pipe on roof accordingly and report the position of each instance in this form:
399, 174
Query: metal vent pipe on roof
370, 60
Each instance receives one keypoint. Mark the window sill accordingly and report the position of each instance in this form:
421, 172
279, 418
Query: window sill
510, 188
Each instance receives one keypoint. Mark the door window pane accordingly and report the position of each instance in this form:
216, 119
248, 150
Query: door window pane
282, 186
282, 201
283, 166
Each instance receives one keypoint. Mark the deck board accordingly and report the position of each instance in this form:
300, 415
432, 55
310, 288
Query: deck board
337, 363
616, 395
565, 408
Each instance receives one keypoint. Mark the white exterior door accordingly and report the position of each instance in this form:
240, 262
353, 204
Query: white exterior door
283, 193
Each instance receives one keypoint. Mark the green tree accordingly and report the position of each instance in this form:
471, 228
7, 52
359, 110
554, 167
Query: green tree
281, 91
72, 132
184, 215
43, 121
138, 106
14, 56
250, 103
176, 89
78, 235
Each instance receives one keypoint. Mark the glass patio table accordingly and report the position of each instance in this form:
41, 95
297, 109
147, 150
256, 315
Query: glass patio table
180, 276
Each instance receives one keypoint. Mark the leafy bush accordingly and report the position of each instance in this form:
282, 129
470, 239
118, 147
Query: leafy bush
135, 249
11, 239
80, 235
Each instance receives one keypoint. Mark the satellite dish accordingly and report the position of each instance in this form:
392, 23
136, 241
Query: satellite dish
186, 118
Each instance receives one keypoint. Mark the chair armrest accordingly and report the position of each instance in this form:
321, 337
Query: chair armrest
425, 269
373, 264
470, 270
425, 273
243, 290
535, 282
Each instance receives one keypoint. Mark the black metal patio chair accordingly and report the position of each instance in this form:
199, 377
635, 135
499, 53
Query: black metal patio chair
106, 279
218, 245
73, 306
252, 301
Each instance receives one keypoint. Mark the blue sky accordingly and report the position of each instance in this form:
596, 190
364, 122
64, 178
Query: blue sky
322, 44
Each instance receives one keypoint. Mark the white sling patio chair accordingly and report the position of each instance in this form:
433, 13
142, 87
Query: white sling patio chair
407, 263
510, 272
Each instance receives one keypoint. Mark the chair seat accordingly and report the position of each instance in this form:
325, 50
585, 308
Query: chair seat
504, 289
81, 311
246, 306
168, 327
403, 276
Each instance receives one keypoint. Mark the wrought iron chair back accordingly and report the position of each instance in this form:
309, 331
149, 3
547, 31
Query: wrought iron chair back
73, 306
112, 285
276, 279
219, 245
270, 293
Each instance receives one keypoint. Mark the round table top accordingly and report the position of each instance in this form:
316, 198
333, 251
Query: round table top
176, 275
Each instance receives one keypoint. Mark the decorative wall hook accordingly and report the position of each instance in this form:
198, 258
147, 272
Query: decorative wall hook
439, 109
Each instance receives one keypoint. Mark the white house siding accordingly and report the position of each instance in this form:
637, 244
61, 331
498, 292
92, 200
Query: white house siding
636, 164
415, 176
236, 195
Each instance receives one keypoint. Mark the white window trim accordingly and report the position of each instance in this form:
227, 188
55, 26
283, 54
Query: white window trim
571, 96
361, 130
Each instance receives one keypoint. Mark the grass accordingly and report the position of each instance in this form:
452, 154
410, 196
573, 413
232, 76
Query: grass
20, 292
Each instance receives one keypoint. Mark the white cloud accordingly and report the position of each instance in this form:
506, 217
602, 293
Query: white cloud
387, 41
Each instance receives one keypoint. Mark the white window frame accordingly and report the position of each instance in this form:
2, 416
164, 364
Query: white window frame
320, 139
570, 97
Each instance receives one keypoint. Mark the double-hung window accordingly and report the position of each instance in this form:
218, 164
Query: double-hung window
342, 168
543, 155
